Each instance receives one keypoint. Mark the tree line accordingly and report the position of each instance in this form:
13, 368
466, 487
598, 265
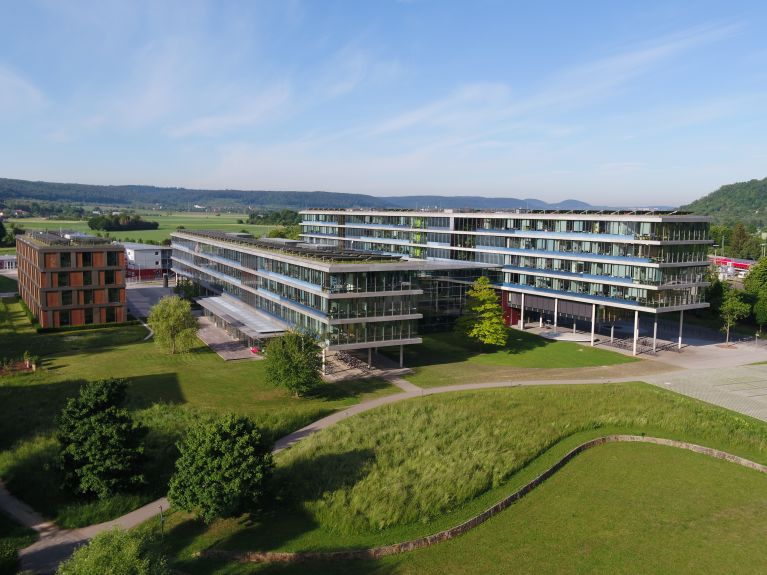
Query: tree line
121, 223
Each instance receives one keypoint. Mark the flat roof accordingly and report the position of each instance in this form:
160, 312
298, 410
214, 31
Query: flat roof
63, 239
246, 319
139, 246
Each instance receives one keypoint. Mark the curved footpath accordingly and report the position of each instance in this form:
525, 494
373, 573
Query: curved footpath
55, 545
429, 540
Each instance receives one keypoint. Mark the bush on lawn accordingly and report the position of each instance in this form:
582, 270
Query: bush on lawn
116, 552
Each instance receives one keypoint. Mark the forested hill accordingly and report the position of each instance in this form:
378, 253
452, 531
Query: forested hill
183, 198
742, 202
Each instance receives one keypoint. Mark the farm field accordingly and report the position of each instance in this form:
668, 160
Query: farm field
426, 464
447, 358
168, 224
165, 393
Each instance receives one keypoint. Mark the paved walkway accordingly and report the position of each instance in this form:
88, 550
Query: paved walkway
219, 341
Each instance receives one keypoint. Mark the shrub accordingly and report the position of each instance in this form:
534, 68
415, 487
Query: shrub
222, 469
116, 552
101, 446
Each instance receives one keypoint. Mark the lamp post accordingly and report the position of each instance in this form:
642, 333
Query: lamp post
763, 246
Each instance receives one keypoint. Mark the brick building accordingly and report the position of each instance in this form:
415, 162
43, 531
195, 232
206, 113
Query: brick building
71, 279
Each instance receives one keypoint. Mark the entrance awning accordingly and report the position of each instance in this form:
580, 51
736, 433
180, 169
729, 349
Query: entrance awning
248, 321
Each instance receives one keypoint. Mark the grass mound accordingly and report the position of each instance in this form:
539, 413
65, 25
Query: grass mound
413, 461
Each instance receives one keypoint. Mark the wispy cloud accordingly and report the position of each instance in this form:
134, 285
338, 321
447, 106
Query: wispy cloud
258, 109
18, 95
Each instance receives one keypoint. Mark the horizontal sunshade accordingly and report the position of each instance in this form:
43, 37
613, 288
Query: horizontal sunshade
246, 319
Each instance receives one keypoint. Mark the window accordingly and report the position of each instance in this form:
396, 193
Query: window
64, 318
88, 315
65, 260
87, 259
63, 278
112, 258
114, 295
66, 298
109, 277
88, 296
110, 314
157, 263
87, 278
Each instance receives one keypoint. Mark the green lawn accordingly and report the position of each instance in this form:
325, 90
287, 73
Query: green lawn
420, 466
446, 358
8, 251
12, 538
619, 508
165, 392
8, 284
168, 224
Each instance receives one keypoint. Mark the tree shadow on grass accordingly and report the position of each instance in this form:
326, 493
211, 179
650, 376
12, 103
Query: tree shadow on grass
347, 389
205, 566
283, 518
146, 390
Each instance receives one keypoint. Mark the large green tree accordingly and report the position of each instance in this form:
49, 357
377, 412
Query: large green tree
293, 361
116, 552
760, 309
483, 320
174, 326
732, 309
756, 280
739, 242
101, 447
222, 470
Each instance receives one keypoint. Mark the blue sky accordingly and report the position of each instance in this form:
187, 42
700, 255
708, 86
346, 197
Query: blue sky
622, 103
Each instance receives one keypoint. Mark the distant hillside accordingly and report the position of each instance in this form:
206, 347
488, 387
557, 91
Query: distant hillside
183, 198
481, 203
742, 202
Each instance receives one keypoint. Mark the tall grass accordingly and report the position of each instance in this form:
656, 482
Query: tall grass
413, 461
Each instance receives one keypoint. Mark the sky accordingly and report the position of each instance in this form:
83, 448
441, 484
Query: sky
618, 103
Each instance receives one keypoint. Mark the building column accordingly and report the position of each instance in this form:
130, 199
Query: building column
612, 333
593, 319
323, 361
681, 319
522, 313
370, 357
636, 330
556, 312
401, 355
654, 332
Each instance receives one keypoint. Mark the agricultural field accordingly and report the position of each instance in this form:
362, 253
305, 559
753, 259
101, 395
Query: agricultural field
165, 393
447, 358
426, 464
168, 223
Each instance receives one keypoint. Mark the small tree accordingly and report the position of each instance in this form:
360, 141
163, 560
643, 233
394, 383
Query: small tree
733, 308
222, 468
760, 310
116, 552
174, 326
756, 280
101, 446
293, 361
484, 320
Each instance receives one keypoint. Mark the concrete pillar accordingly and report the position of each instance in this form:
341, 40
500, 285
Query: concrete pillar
593, 319
681, 320
402, 356
636, 331
522, 313
556, 312
324, 351
540, 320
654, 333
612, 333
370, 357
573, 326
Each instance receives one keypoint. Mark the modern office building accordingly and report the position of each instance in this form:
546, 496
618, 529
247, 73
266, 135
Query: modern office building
147, 261
352, 299
71, 279
583, 265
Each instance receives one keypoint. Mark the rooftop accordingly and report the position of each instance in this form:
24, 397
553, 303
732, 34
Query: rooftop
504, 212
138, 246
294, 248
63, 239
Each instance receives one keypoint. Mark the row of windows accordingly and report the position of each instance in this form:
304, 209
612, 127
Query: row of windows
66, 260
70, 297
64, 279
65, 316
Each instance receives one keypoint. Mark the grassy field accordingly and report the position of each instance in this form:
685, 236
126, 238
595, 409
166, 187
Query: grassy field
168, 223
446, 358
619, 508
416, 467
165, 393
12, 538
8, 284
